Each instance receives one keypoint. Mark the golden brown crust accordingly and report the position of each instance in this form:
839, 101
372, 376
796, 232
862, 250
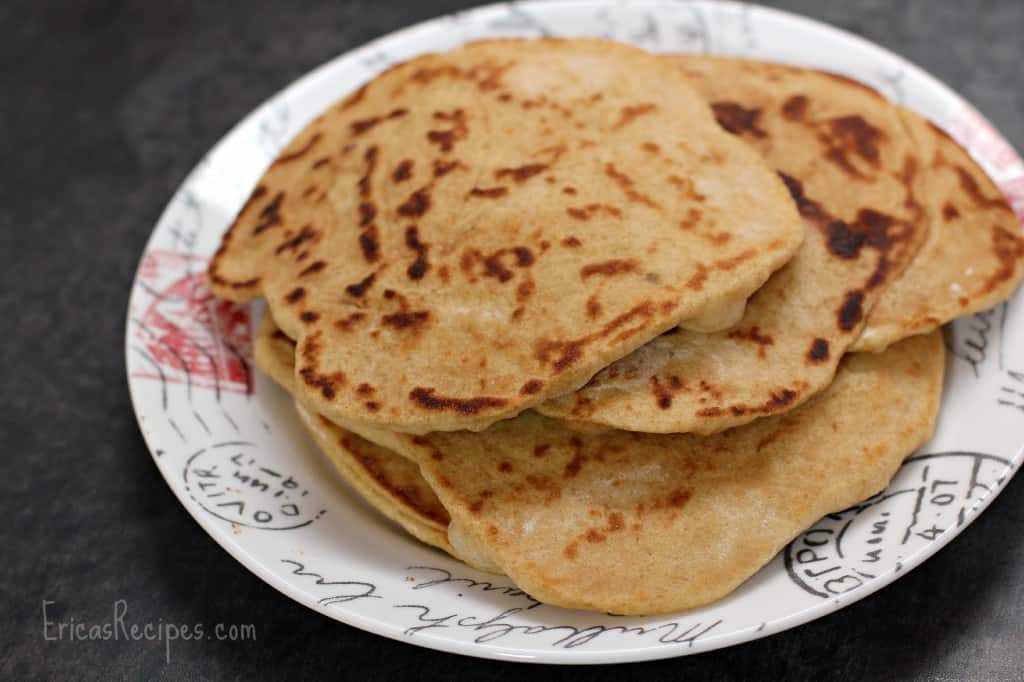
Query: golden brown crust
511, 213
639, 523
694, 516
974, 255
391, 483
857, 180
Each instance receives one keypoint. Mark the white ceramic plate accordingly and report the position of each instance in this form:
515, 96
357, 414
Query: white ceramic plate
229, 444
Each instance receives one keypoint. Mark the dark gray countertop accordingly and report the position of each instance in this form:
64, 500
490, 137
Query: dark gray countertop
105, 107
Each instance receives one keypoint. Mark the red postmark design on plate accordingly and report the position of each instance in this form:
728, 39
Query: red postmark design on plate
192, 336
1014, 191
984, 142
974, 132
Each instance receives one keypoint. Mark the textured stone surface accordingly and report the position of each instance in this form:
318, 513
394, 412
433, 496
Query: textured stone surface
105, 107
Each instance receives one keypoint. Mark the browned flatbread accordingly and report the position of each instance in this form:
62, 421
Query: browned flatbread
858, 181
388, 481
392, 484
640, 523
474, 232
974, 255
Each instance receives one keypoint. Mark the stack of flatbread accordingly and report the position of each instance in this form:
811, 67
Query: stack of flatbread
617, 326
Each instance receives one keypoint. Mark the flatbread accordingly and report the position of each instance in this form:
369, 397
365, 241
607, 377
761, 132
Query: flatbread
637, 523
475, 232
387, 480
856, 177
274, 353
392, 484
974, 255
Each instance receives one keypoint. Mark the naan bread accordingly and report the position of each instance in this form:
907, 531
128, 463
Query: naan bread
474, 232
389, 482
974, 255
392, 484
637, 523
274, 353
856, 177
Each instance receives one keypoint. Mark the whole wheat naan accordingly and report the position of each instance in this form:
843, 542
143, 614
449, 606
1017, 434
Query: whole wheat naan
856, 177
392, 484
637, 523
474, 232
387, 480
974, 254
